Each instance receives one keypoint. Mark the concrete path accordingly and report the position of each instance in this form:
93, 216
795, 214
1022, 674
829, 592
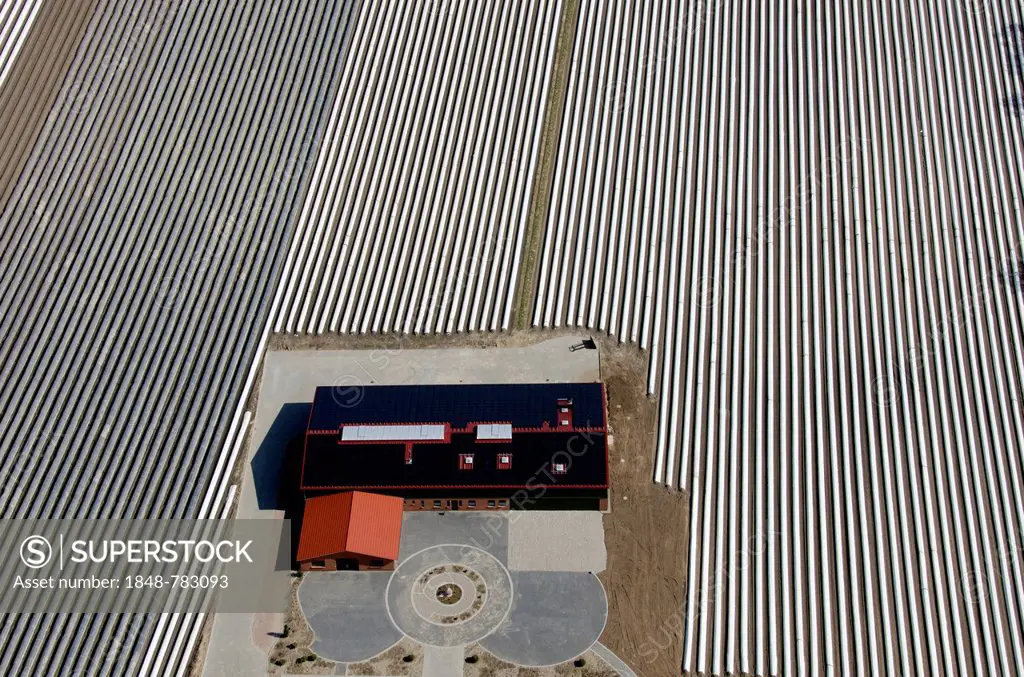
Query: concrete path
232, 651
616, 663
443, 661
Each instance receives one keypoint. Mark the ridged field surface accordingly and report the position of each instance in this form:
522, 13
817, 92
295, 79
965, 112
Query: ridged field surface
139, 254
16, 18
810, 213
32, 81
417, 210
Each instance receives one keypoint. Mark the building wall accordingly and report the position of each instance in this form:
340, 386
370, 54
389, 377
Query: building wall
507, 502
345, 561
495, 499
452, 504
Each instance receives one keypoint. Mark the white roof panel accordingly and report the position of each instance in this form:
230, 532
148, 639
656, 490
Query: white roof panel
494, 431
392, 433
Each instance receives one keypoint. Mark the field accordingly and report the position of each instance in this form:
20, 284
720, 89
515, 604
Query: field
139, 250
808, 214
795, 227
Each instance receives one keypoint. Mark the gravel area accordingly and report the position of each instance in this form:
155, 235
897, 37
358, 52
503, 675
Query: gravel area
556, 541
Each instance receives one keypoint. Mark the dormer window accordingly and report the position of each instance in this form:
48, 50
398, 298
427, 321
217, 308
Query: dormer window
465, 461
564, 419
504, 461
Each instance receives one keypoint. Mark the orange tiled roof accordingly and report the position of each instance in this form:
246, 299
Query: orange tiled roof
353, 522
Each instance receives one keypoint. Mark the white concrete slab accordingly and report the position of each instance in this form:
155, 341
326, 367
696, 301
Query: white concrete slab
444, 661
231, 651
557, 540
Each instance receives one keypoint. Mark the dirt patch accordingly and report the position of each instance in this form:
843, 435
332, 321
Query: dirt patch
480, 663
540, 193
34, 82
404, 659
292, 653
449, 594
647, 531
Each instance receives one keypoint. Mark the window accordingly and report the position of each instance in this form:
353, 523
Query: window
504, 461
565, 421
472, 503
437, 504
465, 461
559, 468
503, 503
318, 563
376, 562
490, 504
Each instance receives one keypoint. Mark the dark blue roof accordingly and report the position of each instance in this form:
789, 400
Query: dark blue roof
328, 465
522, 405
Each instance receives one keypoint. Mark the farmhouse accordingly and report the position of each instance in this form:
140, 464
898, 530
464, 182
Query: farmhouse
365, 460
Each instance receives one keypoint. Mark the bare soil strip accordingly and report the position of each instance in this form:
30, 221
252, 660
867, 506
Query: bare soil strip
32, 87
647, 531
526, 285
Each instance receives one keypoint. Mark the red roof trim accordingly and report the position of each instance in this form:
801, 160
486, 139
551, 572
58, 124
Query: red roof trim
305, 447
607, 450
549, 429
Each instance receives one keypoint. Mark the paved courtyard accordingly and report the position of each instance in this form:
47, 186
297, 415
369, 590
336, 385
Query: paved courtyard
487, 531
346, 611
484, 599
555, 617
529, 618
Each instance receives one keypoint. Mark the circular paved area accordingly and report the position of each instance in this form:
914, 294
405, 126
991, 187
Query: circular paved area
346, 611
555, 617
412, 595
